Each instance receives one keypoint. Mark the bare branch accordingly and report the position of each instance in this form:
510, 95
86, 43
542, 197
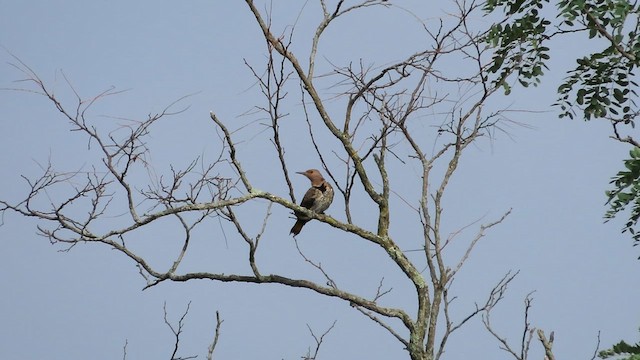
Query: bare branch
414, 114
330, 281
298, 283
318, 341
595, 352
124, 350
177, 332
232, 152
547, 344
527, 332
377, 320
212, 347
478, 236
272, 84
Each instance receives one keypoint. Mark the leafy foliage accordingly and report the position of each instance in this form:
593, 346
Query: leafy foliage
602, 83
518, 41
627, 192
602, 86
623, 350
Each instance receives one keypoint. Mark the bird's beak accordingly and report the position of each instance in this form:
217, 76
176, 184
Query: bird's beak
300, 172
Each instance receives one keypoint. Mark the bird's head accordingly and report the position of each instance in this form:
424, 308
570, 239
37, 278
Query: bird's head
313, 175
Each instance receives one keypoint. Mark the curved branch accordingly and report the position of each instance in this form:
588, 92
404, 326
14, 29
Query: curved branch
297, 283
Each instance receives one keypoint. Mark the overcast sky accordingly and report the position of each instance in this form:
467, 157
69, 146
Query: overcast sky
86, 303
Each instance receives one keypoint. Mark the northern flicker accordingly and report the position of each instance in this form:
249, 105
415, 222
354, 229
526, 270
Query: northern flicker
317, 198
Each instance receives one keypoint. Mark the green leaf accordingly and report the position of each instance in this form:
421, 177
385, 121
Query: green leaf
580, 96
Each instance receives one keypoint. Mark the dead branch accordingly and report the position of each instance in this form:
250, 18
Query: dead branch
330, 282
527, 332
386, 110
547, 344
213, 345
318, 341
177, 331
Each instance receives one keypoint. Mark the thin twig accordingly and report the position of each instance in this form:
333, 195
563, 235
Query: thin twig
318, 341
212, 346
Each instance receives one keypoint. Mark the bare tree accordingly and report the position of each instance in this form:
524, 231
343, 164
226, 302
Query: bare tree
412, 119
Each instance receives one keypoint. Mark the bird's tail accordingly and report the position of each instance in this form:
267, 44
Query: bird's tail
295, 230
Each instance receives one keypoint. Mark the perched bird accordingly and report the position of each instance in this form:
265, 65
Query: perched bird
317, 198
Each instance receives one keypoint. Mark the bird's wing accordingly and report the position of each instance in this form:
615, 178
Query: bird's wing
310, 197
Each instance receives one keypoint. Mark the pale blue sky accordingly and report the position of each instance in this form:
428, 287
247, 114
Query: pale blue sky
85, 303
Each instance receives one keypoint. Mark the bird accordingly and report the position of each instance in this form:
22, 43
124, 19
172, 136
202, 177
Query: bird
317, 198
